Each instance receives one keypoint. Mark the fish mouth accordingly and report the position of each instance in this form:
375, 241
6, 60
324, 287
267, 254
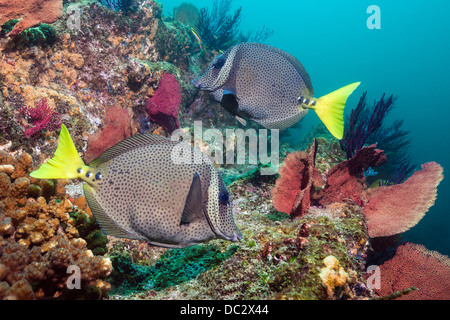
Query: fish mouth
237, 236
196, 83
201, 86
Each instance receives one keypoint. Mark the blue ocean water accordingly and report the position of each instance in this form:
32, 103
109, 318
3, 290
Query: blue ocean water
407, 57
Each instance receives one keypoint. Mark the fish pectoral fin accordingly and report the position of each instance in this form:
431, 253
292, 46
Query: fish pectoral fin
108, 225
241, 120
194, 202
230, 102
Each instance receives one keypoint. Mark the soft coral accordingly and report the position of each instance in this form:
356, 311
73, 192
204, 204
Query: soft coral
42, 117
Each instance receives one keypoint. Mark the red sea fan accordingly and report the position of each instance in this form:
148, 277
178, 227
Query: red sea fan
346, 180
414, 265
163, 106
396, 209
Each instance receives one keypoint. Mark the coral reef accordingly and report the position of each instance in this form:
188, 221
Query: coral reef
33, 12
40, 233
279, 258
393, 210
119, 68
415, 266
163, 106
29, 274
106, 59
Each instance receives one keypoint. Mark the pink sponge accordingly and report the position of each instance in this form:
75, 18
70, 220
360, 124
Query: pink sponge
163, 106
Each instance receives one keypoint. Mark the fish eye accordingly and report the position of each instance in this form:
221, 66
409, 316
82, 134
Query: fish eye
79, 170
88, 174
223, 197
98, 176
219, 63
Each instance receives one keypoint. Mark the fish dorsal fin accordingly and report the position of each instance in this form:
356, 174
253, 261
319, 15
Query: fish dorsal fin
193, 208
128, 144
108, 225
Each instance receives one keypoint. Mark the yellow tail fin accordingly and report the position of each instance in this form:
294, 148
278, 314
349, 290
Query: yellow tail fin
65, 162
330, 109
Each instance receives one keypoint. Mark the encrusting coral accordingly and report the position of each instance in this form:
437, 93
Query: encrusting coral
40, 233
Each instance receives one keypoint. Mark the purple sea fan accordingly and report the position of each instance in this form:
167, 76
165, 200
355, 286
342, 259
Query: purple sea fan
42, 117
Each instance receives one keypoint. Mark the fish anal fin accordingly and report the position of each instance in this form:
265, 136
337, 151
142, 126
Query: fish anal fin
193, 208
108, 225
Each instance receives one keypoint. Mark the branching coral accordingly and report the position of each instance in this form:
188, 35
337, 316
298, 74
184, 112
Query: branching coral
395, 209
33, 12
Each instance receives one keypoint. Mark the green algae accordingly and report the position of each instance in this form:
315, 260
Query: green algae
44, 34
89, 230
175, 266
